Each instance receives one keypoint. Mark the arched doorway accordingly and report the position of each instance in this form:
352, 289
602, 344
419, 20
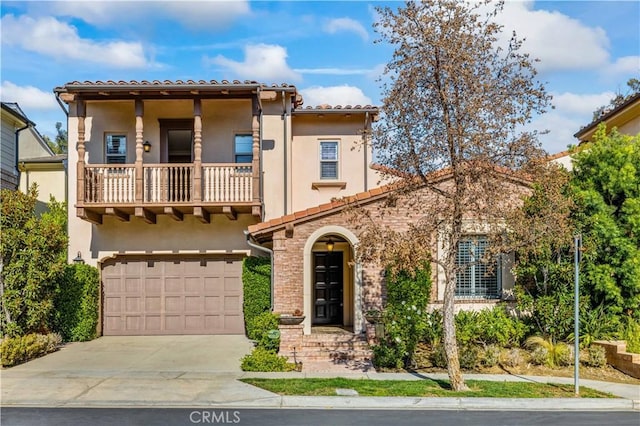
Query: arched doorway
332, 280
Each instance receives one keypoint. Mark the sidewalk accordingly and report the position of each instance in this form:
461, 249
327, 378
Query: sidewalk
223, 389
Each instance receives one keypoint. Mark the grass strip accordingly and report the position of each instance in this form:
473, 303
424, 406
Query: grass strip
421, 388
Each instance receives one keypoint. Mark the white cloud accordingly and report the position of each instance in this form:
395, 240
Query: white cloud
572, 111
346, 24
28, 97
334, 95
559, 41
265, 62
50, 37
191, 14
624, 65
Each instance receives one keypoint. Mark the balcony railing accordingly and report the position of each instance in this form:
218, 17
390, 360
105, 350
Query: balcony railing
168, 184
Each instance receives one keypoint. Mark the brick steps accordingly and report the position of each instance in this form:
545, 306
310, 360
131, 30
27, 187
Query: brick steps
331, 348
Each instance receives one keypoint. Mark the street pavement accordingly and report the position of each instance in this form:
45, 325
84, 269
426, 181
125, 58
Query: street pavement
204, 371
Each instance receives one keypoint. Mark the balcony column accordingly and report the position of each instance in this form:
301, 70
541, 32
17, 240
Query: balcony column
255, 163
81, 113
197, 151
139, 151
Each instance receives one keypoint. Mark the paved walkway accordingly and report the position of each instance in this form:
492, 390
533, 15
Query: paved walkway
180, 371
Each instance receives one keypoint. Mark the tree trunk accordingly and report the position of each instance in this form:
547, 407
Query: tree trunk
449, 328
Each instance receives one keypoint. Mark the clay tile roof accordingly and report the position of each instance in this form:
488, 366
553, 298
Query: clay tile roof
362, 197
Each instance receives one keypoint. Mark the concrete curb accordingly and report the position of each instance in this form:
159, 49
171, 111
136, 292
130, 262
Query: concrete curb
522, 404
367, 403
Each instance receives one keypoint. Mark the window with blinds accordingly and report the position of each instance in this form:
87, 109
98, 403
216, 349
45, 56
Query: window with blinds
328, 160
244, 148
116, 149
477, 279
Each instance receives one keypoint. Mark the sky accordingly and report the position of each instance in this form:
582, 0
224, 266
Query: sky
588, 50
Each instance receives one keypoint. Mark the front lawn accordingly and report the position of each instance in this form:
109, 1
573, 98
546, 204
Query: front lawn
420, 388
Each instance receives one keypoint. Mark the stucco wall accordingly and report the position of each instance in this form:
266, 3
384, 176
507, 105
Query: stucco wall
50, 181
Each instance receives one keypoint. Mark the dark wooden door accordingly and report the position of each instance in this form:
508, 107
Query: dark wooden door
327, 288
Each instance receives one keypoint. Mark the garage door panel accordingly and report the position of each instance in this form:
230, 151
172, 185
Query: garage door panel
153, 323
175, 296
153, 286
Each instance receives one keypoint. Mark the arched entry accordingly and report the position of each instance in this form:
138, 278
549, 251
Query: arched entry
332, 280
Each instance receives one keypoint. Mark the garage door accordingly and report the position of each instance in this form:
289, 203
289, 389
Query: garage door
150, 296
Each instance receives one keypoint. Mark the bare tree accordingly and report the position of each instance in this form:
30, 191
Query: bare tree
455, 103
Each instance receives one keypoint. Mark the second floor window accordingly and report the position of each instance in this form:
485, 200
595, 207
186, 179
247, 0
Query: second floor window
116, 149
329, 160
244, 149
477, 279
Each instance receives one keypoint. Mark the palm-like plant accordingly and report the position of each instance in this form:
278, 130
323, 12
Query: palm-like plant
558, 354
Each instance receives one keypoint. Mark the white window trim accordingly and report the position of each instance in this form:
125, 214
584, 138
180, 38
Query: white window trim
337, 160
472, 272
470, 228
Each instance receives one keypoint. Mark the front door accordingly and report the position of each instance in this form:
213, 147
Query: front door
327, 288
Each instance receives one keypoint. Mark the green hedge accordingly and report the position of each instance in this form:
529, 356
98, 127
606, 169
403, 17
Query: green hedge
76, 303
256, 280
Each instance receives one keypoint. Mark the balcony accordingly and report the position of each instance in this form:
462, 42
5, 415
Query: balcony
171, 189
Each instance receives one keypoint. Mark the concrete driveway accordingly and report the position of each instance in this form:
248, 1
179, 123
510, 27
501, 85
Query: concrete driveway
135, 370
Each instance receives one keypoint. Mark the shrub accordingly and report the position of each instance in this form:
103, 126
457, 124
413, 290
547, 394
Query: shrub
76, 303
548, 352
256, 281
498, 327
439, 356
386, 356
265, 360
467, 330
490, 356
264, 330
16, 350
596, 356
630, 332
33, 251
469, 356
404, 316
489, 327
595, 324
540, 356
433, 331
513, 358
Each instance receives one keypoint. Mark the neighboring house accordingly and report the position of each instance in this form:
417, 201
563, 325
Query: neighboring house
625, 117
14, 121
27, 158
316, 270
169, 175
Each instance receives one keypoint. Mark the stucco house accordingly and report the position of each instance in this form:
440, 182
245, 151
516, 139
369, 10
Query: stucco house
625, 117
28, 159
167, 176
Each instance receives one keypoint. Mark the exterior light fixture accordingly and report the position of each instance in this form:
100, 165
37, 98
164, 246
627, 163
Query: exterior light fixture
78, 260
147, 146
330, 245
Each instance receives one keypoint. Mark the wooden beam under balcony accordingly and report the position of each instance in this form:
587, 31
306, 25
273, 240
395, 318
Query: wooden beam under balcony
146, 215
229, 212
174, 213
89, 216
119, 214
202, 214
256, 211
